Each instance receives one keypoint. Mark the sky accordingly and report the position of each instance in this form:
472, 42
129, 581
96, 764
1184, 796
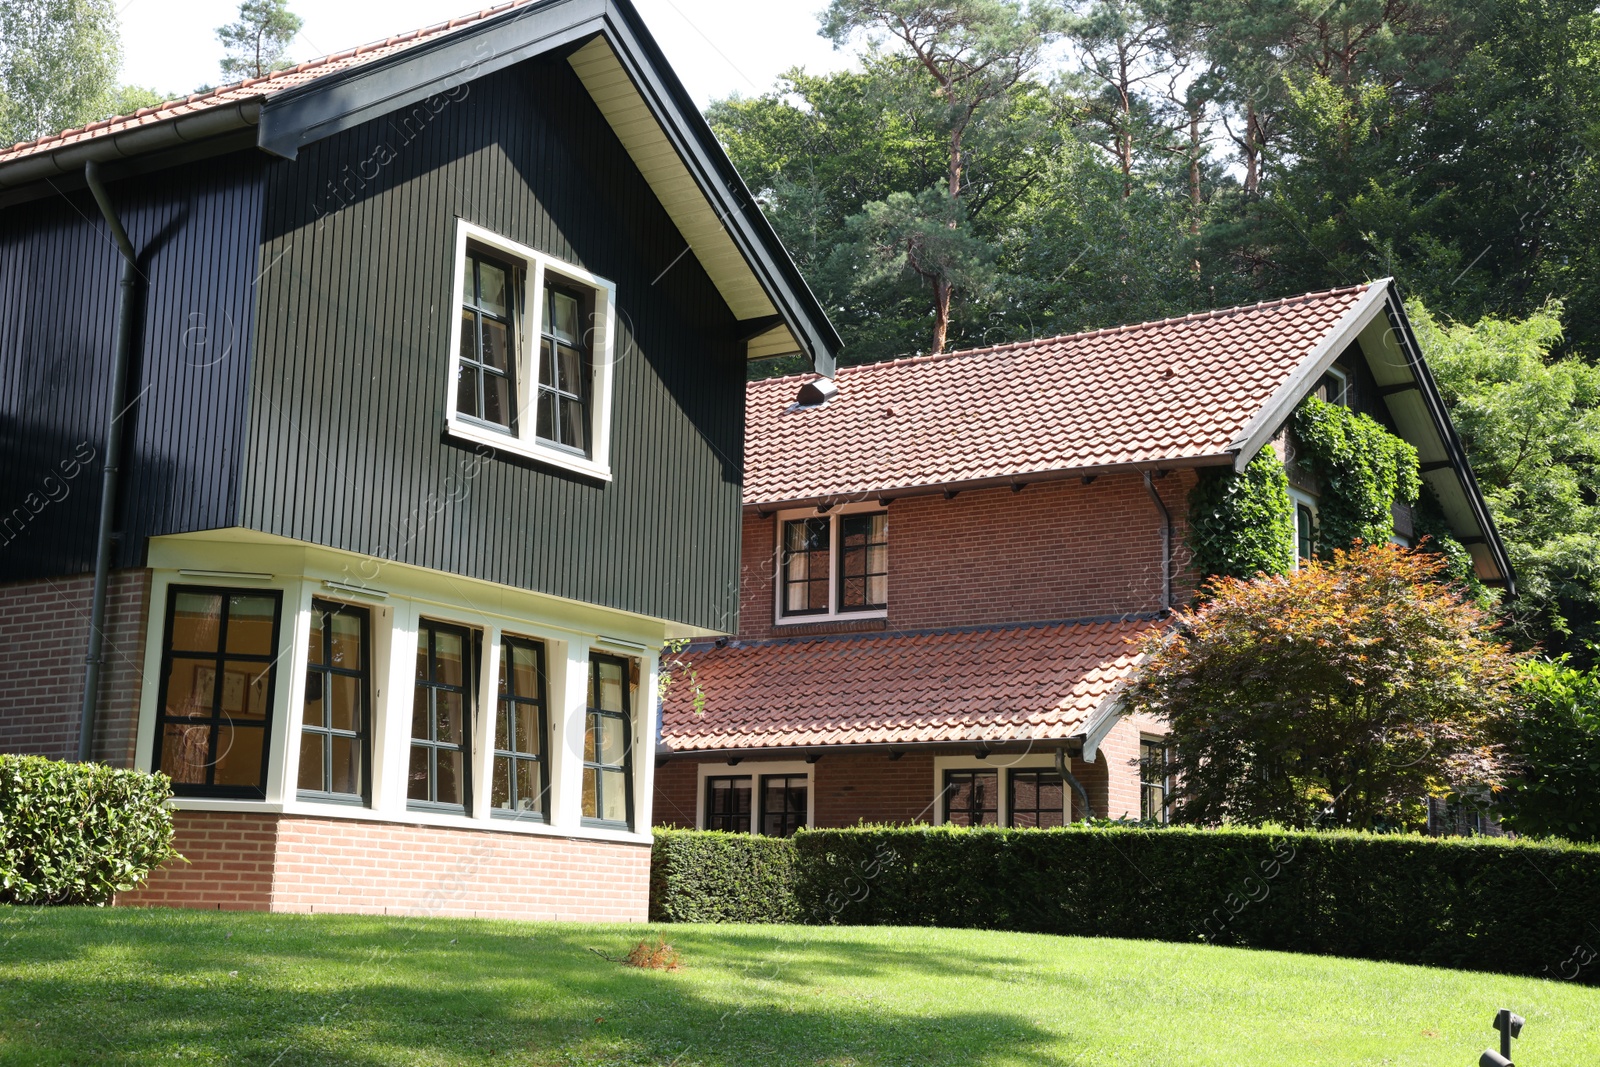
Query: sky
717, 47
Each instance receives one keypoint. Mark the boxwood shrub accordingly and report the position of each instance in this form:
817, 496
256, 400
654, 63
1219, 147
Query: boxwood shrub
1477, 903
706, 876
77, 833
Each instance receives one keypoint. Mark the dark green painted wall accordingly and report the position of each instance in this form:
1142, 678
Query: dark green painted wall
347, 404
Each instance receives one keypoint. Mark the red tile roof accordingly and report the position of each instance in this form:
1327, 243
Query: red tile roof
251, 88
1004, 683
1169, 390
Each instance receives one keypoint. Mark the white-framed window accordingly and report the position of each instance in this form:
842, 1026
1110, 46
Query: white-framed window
833, 564
531, 354
1334, 387
1303, 509
1002, 790
1155, 784
771, 798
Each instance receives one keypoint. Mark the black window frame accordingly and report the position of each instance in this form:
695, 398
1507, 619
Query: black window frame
842, 552
468, 690
215, 721
824, 522
505, 708
584, 398
950, 777
592, 717
363, 736
1149, 749
1040, 776
1305, 542
515, 273
712, 816
787, 817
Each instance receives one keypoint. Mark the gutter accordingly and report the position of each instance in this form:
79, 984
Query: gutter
105, 536
134, 141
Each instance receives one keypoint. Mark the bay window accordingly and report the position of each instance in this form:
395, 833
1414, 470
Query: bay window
608, 744
334, 724
439, 770
521, 782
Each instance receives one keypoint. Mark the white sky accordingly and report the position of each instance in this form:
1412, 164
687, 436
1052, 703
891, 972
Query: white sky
717, 47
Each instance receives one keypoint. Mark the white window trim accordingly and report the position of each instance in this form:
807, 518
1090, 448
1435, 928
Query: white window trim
755, 771
1344, 386
394, 623
1166, 780
1296, 500
524, 441
1002, 762
833, 613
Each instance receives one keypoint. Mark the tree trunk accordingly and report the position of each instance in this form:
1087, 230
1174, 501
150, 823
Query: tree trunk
941, 314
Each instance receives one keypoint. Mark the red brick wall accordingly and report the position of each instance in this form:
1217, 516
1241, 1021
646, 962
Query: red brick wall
304, 863
675, 799
1056, 550
44, 634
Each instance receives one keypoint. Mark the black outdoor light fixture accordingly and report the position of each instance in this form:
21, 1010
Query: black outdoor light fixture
1509, 1023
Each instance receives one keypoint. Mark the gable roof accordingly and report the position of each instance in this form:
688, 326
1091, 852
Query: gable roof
613, 54
1034, 681
1211, 388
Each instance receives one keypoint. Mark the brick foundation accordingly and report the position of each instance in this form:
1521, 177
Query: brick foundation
44, 632
307, 864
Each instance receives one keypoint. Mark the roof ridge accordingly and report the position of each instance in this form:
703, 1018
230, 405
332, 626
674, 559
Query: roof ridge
298, 68
1013, 346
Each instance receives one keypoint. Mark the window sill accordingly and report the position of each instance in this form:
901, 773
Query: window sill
606, 824
500, 441
850, 616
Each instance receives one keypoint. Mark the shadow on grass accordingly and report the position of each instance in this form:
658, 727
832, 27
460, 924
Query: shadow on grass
85, 986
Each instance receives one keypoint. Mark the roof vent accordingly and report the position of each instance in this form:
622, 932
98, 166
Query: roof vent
818, 391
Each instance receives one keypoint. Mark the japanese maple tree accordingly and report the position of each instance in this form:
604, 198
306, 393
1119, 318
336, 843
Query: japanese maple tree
1342, 694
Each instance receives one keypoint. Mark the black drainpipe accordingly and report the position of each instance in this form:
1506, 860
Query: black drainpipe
1077, 786
1166, 543
105, 536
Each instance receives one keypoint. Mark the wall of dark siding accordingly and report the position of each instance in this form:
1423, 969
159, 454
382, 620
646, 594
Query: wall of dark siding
197, 232
348, 395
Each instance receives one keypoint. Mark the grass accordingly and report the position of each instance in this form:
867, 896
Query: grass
126, 986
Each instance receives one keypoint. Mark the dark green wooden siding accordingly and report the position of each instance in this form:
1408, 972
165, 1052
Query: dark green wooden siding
348, 390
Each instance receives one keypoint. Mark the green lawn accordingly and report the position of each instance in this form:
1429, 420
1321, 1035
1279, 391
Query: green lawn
125, 986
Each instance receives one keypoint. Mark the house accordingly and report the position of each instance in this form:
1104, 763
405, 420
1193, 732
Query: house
948, 561
368, 427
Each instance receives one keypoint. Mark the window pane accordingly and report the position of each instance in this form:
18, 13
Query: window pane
588, 792
467, 391
469, 288
524, 671
191, 689
570, 364
854, 593
196, 622
238, 761
527, 728
344, 703
502, 737
469, 336
527, 785
447, 666
420, 712
450, 783
500, 784
314, 644
497, 405
250, 625
610, 673
546, 416
613, 740
346, 627
574, 432
878, 590
417, 774
346, 765
496, 344
447, 716
314, 714
565, 308
491, 288
547, 374
310, 776
614, 796
185, 752
244, 688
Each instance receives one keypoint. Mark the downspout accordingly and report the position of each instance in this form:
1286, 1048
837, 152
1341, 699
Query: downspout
1077, 786
105, 536
1166, 543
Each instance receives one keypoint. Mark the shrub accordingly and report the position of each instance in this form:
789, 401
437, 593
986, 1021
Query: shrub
1559, 742
706, 876
77, 833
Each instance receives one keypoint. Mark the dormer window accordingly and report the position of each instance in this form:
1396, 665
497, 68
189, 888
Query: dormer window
532, 341
833, 565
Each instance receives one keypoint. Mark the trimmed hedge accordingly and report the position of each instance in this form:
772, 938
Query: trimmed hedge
706, 876
1476, 903
77, 833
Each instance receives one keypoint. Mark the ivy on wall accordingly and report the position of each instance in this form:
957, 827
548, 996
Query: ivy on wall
1241, 524
1361, 469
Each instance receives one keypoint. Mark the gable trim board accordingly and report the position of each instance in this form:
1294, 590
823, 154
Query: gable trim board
626, 73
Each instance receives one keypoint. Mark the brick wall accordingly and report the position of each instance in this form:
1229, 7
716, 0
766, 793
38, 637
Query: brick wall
308, 864
1056, 550
44, 633
675, 800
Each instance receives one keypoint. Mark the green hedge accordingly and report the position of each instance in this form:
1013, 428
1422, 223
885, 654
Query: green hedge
1477, 903
705, 876
76, 833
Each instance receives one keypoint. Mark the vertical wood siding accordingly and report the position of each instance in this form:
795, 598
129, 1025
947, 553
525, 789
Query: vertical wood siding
197, 231
347, 399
